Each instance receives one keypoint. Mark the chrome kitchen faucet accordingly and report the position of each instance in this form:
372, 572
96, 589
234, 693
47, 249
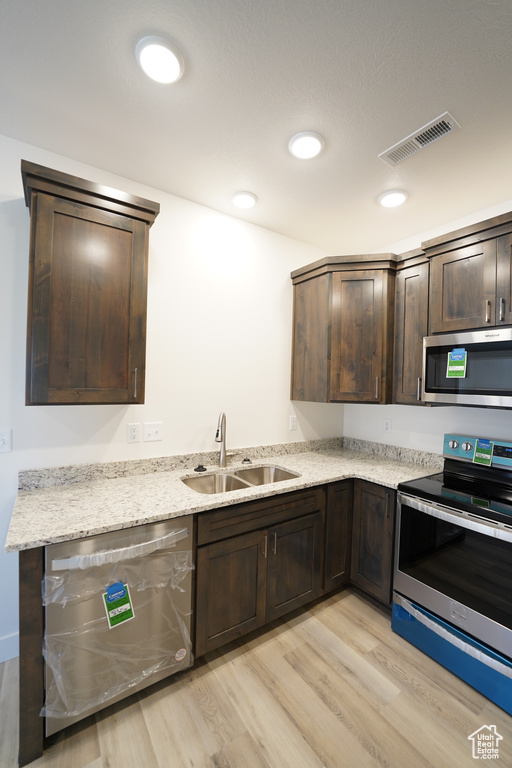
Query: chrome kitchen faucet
220, 437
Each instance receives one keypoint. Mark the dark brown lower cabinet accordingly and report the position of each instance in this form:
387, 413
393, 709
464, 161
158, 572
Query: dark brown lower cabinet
253, 577
338, 534
293, 565
372, 539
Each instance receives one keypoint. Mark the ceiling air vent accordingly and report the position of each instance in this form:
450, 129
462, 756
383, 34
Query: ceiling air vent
420, 139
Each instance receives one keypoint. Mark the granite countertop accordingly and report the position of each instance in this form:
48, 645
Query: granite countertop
75, 509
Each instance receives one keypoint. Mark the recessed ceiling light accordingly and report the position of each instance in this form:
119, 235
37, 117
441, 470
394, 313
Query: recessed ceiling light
159, 60
393, 198
244, 200
306, 145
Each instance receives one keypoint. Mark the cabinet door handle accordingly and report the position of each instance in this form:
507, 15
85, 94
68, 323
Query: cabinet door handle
418, 389
135, 382
376, 387
487, 311
502, 310
265, 539
274, 545
387, 506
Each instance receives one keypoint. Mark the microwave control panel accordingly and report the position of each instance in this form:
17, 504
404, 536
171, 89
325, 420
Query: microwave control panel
462, 447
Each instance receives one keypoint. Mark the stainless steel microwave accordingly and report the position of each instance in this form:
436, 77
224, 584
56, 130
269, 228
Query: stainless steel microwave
468, 368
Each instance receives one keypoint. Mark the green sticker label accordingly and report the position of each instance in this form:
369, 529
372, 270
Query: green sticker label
456, 365
483, 452
118, 605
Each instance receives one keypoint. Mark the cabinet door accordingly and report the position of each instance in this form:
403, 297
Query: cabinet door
463, 288
231, 577
504, 280
338, 532
311, 343
372, 539
293, 570
87, 305
411, 325
359, 332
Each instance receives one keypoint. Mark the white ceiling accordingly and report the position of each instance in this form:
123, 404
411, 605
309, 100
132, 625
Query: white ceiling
363, 73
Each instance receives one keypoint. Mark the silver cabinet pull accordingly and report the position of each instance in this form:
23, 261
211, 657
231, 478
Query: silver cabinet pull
487, 311
265, 539
274, 545
502, 310
418, 389
135, 382
376, 387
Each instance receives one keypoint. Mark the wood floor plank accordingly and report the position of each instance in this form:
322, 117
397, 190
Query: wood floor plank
281, 744
324, 732
124, 738
385, 743
242, 751
9, 709
174, 729
371, 683
444, 746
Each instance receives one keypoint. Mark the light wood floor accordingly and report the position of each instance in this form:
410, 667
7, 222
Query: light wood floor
331, 687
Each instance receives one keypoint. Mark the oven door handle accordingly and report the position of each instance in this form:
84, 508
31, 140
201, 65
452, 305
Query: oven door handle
462, 519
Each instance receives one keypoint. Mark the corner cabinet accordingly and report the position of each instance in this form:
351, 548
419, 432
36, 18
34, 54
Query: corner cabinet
411, 325
343, 330
86, 335
471, 277
372, 539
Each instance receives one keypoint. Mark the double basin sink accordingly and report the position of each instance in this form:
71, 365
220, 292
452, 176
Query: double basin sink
223, 481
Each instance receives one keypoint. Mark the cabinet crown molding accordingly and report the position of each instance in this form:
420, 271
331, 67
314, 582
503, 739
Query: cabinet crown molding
38, 178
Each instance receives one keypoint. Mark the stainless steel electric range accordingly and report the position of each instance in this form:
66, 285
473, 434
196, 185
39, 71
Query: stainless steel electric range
452, 583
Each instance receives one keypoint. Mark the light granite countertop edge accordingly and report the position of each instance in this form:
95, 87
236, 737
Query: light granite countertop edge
44, 516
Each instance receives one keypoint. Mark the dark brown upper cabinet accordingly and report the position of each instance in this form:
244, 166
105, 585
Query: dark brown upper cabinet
343, 330
86, 333
471, 277
411, 325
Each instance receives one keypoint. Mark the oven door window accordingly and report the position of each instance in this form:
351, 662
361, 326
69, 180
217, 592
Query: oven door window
465, 565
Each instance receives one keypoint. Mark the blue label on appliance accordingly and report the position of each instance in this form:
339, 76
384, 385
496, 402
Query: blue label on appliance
116, 591
458, 354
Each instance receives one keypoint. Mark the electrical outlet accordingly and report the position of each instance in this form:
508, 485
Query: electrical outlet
292, 423
5, 440
133, 435
387, 425
153, 431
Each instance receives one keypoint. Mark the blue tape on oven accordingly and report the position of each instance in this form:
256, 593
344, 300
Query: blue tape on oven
493, 684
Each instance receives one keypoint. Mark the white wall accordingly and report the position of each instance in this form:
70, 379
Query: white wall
421, 427
218, 338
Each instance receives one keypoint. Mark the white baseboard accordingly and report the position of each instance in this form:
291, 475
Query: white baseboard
9, 647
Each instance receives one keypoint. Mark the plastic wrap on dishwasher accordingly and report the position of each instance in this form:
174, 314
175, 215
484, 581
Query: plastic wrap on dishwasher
90, 662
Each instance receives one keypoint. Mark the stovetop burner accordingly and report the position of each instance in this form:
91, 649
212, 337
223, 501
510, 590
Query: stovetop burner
485, 491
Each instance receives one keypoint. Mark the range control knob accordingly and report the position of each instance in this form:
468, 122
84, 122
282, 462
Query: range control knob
467, 446
453, 444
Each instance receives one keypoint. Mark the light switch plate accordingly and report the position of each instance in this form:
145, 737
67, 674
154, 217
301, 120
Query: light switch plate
153, 431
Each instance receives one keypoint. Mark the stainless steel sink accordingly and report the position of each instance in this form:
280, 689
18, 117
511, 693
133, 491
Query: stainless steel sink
264, 475
222, 482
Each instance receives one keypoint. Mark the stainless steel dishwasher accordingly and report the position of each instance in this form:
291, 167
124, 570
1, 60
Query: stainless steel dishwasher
117, 616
